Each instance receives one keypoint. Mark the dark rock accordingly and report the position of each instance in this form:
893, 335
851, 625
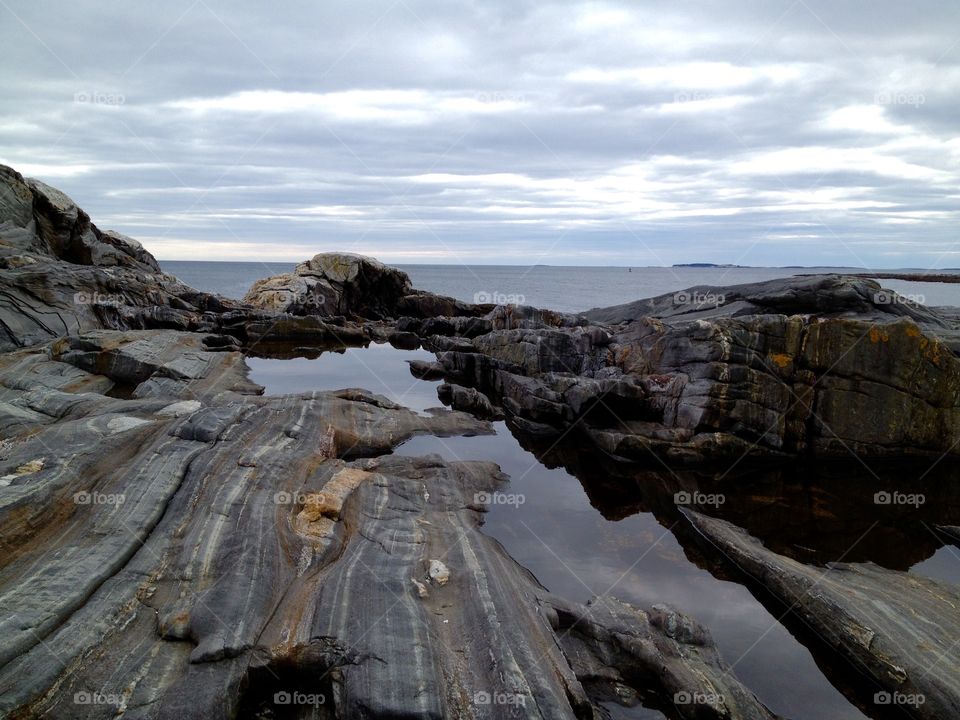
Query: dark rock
350, 285
404, 340
899, 629
426, 370
439, 344
824, 365
191, 555
188, 547
608, 641
468, 400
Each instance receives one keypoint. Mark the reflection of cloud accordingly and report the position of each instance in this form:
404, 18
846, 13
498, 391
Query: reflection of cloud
614, 132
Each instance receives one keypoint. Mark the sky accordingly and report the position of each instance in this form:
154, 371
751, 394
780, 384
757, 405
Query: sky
753, 132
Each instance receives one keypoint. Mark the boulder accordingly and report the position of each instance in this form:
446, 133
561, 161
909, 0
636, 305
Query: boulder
351, 285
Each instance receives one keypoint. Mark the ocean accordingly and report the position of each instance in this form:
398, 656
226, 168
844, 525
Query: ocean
563, 288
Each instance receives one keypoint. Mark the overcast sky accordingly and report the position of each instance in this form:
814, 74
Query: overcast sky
504, 131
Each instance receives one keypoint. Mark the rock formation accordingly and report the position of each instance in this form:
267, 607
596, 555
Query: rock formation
897, 629
331, 284
821, 366
196, 550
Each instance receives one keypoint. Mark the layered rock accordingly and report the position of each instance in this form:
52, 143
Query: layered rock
61, 275
897, 629
331, 284
176, 545
824, 365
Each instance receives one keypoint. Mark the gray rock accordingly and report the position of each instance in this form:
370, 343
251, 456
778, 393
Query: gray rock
468, 400
898, 629
351, 285
426, 370
823, 365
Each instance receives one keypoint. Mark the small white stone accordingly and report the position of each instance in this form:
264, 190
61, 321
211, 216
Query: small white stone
439, 573
178, 409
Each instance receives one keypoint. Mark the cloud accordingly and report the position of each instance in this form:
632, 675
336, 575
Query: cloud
388, 107
521, 132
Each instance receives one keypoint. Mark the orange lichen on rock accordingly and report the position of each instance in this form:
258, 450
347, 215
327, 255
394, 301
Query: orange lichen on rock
781, 360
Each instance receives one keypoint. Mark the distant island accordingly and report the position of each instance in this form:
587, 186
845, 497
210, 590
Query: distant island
708, 265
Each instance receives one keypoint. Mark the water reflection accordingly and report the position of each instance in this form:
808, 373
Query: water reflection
379, 368
812, 512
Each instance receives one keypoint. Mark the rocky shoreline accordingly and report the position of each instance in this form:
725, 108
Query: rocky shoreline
915, 277
178, 545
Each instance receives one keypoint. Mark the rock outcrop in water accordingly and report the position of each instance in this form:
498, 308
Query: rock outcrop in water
331, 284
820, 366
897, 629
197, 550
